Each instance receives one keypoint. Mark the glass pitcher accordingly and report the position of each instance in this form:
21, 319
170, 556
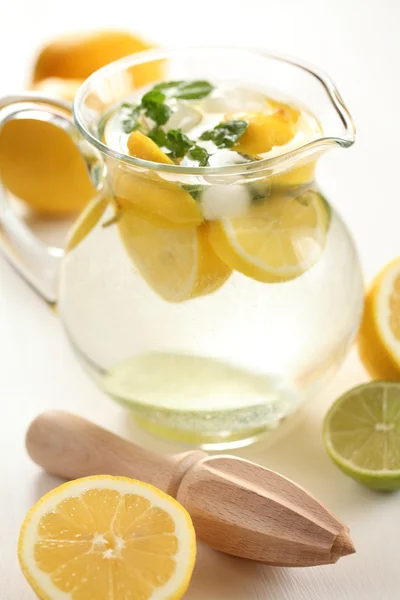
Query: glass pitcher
200, 352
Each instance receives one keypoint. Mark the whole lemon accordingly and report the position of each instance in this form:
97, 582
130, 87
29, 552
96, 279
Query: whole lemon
78, 56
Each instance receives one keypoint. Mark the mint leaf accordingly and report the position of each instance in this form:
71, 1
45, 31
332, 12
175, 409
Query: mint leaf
226, 134
129, 117
155, 109
177, 143
185, 90
199, 153
158, 136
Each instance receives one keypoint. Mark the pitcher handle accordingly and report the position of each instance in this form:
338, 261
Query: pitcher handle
35, 261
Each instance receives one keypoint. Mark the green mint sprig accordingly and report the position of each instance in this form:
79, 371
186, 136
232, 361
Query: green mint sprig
153, 103
178, 144
185, 90
200, 154
225, 134
155, 108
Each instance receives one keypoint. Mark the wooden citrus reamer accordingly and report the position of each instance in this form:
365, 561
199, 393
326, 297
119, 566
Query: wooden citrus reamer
237, 506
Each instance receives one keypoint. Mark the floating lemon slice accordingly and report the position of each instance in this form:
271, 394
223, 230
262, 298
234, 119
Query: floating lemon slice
107, 538
160, 202
277, 240
178, 264
88, 219
379, 336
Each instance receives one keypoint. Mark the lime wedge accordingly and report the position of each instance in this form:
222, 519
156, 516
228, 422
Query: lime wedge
362, 434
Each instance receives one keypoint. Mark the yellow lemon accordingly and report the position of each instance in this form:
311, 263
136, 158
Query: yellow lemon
276, 128
107, 538
40, 164
141, 146
379, 335
78, 56
178, 264
278, 239
264, 131
284, 110
295, 177
162, 203
88, 219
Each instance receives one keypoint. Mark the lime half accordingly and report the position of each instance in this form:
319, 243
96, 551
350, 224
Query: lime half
362, 434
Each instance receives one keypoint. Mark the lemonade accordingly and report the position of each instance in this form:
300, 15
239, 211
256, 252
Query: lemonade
210, 296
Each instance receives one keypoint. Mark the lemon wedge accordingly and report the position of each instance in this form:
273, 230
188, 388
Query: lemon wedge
264, 131
178, 264
379, 335
277, 240
285, 110
160, 202
107, 538
141, 146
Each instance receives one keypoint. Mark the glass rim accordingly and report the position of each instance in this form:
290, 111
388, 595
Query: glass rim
243, 168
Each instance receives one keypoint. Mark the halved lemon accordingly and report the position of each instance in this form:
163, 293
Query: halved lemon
107, 538
277, 240
379, 335
88, 219
178, 264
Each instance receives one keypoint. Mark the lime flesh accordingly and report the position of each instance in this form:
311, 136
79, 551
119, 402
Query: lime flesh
362, 434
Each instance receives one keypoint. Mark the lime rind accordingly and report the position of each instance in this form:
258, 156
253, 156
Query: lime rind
362, 434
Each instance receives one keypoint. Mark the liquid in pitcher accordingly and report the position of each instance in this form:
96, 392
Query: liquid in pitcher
212, 297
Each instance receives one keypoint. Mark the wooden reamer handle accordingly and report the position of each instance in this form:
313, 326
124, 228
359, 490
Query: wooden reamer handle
70, 447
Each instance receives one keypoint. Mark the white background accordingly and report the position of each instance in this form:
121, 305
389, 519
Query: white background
358, 43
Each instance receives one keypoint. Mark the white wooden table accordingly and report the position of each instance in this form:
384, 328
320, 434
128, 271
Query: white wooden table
358, 44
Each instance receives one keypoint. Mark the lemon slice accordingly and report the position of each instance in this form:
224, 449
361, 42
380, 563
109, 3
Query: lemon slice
379, 335
362, 434
277, 240
88, 219
107, 538
178, 264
